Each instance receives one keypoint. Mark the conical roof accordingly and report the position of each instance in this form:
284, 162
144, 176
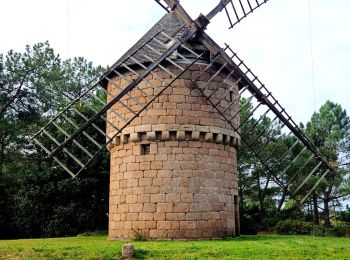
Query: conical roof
171, 24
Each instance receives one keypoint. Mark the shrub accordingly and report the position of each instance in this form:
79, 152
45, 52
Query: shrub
345, 216
298, 227
294, 227
341, 229
248, 226
320, 231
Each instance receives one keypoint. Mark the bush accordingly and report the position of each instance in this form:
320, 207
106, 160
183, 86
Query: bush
298, 227
341, 229
248, 226
294, 227
320, 231
345, 216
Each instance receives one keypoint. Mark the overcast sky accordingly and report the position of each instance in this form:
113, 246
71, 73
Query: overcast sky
275, 41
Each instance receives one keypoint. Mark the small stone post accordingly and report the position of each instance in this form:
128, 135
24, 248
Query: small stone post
127, 250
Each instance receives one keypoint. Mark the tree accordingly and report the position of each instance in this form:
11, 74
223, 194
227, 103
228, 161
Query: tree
34, 85
37, 198
25, 78
329, 130
257, 187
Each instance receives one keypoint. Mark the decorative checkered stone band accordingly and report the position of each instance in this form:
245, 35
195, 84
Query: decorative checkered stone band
176, 132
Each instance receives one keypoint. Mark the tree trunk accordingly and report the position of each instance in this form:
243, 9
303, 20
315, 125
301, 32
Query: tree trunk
2, 151
240, 194
315, 208
262, 199
326, 219
326, 211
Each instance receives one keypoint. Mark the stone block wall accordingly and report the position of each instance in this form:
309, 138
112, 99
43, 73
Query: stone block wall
180, 103
174, 168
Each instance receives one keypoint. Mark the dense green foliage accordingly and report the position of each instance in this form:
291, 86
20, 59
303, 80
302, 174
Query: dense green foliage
37, 198
263, 203
299, 227
294, 227
245, 247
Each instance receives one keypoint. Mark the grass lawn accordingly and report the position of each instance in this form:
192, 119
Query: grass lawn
245, 247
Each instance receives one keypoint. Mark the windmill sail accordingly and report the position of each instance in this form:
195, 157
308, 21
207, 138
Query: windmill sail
61, 137
287, 174
286, 171
236, 10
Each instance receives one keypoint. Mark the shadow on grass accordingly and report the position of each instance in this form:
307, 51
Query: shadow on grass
140, 254
253, 238
160, 252
242, 238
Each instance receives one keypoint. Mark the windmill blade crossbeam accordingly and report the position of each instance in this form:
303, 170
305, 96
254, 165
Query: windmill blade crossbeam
76, 136
237, 10
307, 178
164, 5
300, 170
315, 186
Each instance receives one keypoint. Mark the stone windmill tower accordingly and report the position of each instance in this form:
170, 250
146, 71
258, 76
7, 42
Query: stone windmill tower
173, 130
173, 168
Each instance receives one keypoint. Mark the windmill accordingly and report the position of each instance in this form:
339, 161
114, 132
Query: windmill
172, 106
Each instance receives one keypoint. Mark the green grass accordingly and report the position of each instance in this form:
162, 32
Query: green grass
245, 247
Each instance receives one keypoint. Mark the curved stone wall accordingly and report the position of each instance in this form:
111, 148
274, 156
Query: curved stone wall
174, 168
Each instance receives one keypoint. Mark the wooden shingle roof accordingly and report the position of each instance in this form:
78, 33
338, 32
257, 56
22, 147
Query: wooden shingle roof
171, 24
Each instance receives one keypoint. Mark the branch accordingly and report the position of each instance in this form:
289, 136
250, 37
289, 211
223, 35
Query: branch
12, 99
17, 94
344, 164
340, 196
